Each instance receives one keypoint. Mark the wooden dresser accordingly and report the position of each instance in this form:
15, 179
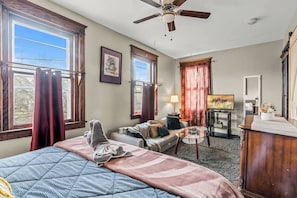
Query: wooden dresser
268, 159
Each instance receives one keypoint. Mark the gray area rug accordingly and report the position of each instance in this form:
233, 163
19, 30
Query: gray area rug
222, 156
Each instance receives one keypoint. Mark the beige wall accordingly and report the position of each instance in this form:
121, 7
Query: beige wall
106, 102
229, 67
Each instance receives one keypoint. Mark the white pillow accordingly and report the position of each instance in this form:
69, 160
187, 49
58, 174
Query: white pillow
5, 189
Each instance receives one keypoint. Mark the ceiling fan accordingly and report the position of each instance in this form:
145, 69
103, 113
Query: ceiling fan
168, 12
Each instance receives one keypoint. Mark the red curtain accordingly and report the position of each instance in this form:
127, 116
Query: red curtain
148, 109
48, 122
195, 86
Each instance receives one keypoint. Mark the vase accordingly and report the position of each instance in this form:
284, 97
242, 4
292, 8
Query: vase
267, 116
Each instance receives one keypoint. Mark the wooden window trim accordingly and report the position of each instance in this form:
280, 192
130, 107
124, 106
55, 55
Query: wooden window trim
135, 51
31, 11
195, 62
26, 132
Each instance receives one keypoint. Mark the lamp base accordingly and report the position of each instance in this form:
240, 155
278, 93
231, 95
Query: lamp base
173, 114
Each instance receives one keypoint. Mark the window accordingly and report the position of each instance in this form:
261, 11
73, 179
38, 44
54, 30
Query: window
37, 37
144, 70
34, 44
195, 86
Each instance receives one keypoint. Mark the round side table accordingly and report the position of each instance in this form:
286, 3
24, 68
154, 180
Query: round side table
192, 135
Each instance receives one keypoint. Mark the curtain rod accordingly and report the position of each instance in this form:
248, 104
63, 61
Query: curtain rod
143, 82
9, 64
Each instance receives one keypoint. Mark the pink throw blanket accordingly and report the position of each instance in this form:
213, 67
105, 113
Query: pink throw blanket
173, 175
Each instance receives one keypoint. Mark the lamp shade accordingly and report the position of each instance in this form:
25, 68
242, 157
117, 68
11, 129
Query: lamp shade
174, 99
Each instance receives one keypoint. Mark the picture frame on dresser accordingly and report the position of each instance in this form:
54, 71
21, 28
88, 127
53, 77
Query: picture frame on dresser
110, 66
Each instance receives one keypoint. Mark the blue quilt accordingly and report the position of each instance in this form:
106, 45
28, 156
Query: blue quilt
54, 172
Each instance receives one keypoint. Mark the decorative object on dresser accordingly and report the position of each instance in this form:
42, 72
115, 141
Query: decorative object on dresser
267, 111
268, 158
267, 116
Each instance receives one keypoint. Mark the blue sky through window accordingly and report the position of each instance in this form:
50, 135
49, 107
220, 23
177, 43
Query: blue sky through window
141, 70
39, 48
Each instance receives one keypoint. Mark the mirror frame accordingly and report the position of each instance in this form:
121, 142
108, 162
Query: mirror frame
259, 79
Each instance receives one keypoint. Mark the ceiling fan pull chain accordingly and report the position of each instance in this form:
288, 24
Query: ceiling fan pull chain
171, 36
165, 30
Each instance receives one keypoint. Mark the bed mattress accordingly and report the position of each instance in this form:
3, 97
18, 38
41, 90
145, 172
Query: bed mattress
55, 172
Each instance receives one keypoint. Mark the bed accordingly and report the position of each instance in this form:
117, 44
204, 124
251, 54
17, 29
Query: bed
67, 170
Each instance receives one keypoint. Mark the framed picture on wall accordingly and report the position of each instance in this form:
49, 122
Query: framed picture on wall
110, 66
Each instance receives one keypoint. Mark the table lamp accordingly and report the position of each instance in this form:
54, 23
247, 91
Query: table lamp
174, 100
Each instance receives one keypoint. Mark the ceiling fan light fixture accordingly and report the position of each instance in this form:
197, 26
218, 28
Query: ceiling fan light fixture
164, 2
168, 17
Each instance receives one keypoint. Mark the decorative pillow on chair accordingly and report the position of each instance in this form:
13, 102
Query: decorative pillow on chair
153, 130
173, 122
162, 131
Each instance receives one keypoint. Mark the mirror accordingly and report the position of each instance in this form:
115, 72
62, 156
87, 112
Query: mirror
251, 95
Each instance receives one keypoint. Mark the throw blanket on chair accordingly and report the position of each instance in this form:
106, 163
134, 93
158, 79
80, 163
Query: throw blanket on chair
103, 149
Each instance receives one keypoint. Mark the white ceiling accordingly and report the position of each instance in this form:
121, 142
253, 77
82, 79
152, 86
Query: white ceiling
226, 28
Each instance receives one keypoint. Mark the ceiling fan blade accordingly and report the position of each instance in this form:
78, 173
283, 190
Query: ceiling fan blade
152, 3
179, 2
171, 26
146, 18
189, 13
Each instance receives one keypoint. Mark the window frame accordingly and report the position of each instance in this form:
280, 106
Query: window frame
146, 56
30, 11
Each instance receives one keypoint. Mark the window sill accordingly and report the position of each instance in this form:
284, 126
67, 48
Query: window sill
135, 116
26, 132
